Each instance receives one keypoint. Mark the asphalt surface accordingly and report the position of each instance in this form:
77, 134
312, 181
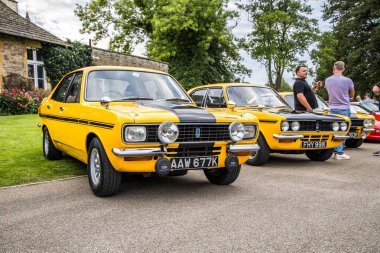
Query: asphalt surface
289, 205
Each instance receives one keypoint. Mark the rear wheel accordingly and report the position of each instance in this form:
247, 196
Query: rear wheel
352, 143
319, 155
222, 176
262, 155
50, 151
103, 178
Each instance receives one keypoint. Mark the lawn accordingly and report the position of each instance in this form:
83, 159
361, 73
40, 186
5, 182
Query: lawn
21, 159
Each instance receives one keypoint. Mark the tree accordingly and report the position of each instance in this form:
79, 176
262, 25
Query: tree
191, 35
323, 58
357, 30
281, 32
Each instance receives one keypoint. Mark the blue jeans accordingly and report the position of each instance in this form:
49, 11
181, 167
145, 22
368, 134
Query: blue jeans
345, 112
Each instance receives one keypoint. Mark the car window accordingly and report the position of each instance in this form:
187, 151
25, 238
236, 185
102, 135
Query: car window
119, 84
73, 94
321, 103
215, 98
198, 96
290, 100
60, 93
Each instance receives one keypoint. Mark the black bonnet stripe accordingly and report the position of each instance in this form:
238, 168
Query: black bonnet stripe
185, 113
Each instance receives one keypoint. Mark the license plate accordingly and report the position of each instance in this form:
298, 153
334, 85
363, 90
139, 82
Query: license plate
353, 135
194, 162
313, 144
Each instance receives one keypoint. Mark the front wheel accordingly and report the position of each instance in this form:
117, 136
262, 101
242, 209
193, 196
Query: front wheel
103, 178
222, 176
319, 155
352, 143
50, 151
262, 155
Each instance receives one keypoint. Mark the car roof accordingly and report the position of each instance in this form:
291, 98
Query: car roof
231, 84
119, 68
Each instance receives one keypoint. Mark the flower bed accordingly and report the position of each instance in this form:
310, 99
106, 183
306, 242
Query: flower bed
15, 101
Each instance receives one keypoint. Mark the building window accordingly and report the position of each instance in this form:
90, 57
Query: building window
36, 70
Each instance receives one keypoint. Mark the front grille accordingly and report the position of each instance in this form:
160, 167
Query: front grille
312, 126
357, 123
313, 137
187, 132
193, 151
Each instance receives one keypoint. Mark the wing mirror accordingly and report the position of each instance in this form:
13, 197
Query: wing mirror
231, 105
326, 111
105, 101
261, 108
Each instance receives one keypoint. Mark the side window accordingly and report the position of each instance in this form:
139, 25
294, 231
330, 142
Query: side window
198, 96
73, 94
60, 94
215, 98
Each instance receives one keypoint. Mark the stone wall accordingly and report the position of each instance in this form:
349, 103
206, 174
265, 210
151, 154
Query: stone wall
109, 58
12, 57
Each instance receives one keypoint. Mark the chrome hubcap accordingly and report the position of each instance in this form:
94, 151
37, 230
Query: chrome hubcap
46, 142
95, 167
253, 154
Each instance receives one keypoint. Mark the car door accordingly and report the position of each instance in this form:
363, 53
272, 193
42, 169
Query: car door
74, 125
53, 110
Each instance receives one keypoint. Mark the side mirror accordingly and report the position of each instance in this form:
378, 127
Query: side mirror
326, 111
231, 105
105, 101
261, 108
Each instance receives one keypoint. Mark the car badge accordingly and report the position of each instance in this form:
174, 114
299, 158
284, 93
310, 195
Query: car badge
197, 132
317, 126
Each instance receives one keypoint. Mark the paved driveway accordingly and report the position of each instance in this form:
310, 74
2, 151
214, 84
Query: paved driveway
289, 205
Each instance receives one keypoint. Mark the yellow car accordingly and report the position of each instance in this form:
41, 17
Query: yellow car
282, 130
119, 119
362, 124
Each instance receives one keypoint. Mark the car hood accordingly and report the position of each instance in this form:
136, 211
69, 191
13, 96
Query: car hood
299, 116
159, 111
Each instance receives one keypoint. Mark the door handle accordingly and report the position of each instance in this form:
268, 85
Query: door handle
61, 108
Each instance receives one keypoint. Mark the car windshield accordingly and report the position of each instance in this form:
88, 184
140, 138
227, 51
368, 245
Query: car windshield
255, 96
321, 103
370, 106
121, 85
356, 109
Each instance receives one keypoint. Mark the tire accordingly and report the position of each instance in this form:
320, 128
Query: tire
319, 155
351, 143
103, 178
222, 176
261, 156
49, 150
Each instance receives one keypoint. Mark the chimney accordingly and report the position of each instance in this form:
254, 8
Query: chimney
11, 4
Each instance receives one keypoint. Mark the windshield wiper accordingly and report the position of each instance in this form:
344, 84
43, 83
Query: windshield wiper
177, 99
134, 98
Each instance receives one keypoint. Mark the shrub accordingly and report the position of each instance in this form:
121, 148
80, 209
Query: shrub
14, 101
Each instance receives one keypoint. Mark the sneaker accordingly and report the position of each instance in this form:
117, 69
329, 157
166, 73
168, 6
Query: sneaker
342, 157
377, 153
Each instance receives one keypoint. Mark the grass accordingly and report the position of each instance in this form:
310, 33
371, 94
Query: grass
21, 157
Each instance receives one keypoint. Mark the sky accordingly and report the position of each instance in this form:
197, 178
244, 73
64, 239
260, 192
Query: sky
58, 18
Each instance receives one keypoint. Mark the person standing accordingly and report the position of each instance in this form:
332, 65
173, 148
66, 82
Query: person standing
340, 90
304, 98
376, 90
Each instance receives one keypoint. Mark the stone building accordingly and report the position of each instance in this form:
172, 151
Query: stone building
21, 41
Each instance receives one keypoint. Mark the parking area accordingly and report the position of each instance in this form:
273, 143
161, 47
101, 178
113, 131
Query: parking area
290, 204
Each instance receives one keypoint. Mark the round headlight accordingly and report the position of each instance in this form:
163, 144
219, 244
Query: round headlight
284, 126
168, 132
135, 134
343, 126
368, 123
335, 126
295, 126
237, 131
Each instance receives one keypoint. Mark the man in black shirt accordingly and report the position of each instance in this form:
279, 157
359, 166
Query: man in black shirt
304, 98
